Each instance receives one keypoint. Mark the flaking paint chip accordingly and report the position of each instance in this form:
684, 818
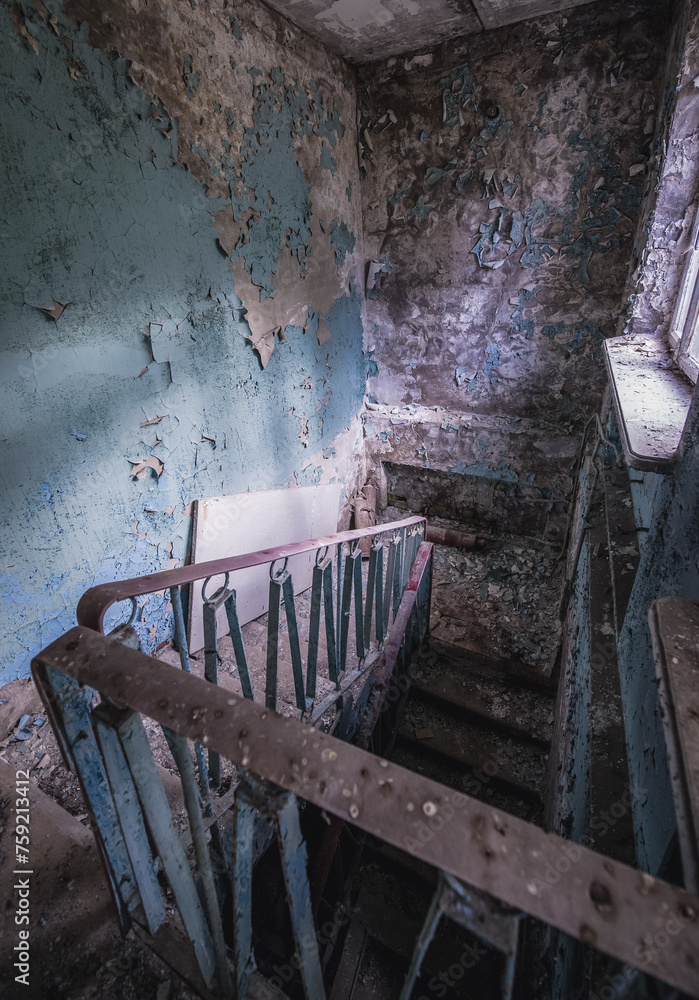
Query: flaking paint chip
140, 466
75, 68
155, 420
56, 310
21, 30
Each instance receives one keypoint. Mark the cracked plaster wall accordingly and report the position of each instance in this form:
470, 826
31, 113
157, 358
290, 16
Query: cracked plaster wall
504, 178
176, 213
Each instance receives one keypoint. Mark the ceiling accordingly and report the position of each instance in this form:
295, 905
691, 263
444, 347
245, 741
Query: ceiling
365, 30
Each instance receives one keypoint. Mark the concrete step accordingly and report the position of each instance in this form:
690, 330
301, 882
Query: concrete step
444, 730
443, 675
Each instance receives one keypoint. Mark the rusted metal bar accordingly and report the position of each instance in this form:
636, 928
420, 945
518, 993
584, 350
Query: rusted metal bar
640, 920
95, 602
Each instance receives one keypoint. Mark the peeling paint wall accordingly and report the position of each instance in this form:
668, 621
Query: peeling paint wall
181, 288
665, 507
503, 179
671, 194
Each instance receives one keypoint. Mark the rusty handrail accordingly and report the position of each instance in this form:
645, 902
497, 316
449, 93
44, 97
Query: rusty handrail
640, 920
95, 602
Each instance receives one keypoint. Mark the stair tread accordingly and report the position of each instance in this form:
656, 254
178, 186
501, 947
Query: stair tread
499, 757
411, 755
512, 672
528, 713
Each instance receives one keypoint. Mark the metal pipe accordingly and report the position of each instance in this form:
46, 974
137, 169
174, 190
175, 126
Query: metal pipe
458, 539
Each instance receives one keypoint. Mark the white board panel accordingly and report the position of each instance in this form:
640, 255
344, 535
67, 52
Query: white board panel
246, 522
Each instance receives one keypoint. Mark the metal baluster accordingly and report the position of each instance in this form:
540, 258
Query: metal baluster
333, 672
294, 644
243, 842
275, 596
423, 601
183, 649
404, 560
358, 600
412, 552
314, 626
370, 589
379, 594
239, 646
390, 572
70, 714
429, 928
211, 658
398, 574
292, 849
205, 937
130, 816
338, 614
346, 604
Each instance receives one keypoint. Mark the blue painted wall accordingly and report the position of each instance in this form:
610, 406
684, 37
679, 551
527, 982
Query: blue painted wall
96, 213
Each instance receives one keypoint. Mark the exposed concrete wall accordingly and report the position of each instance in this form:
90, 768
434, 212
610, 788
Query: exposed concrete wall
672, 187
178, 176
504, 175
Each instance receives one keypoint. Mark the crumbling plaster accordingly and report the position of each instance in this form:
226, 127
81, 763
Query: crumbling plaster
672, 189
503, 179
130, 310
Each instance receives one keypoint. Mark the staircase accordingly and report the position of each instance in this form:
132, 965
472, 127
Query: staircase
380, 842
481, 726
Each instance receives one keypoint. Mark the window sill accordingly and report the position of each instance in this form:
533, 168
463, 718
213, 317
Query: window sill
651, 399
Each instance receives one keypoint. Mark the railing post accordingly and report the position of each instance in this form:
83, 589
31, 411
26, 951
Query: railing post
183, 650
321, 594
358, 602
389, 586
239, 646
243, 843
157, 812
282, 807
275, 596
294, 644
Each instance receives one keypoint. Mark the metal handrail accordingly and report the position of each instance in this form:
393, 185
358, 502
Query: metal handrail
96, 601
108, 748
640, 920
